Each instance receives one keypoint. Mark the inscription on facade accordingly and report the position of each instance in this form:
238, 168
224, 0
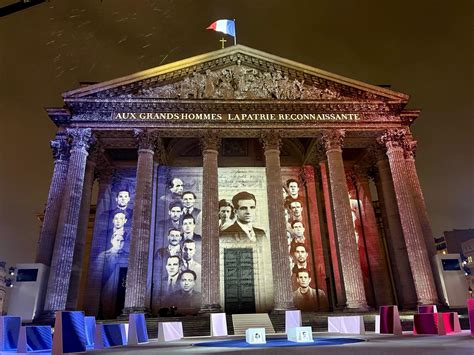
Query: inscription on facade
224, 117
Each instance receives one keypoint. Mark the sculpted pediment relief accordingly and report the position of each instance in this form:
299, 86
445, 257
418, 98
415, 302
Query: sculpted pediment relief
239, 82
235, 73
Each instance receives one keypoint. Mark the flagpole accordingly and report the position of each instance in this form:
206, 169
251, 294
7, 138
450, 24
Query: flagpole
235, 37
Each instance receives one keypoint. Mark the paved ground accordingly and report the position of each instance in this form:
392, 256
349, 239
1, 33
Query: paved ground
458, 344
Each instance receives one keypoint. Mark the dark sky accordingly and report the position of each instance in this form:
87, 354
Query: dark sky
423, 48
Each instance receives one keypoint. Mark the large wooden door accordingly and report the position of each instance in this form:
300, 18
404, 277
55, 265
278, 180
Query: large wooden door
239, 281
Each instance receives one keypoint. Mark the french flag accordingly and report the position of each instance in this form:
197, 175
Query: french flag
224, 26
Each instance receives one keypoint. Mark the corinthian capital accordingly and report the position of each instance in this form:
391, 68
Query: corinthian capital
271, 140
60, 147
210, 140
147, 139
393, 138
82, 138
334, 139
410, 148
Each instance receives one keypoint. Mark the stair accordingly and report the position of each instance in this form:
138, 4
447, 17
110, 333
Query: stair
274, 322
242, 322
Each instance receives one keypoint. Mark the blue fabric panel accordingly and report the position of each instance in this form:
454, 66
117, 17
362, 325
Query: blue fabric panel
113, 335
11, 332
38, 338
74, 332
278, 342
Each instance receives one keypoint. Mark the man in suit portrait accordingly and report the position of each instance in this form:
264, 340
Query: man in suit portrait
189, 199
174, 245
188, 253
175, 211
122, 200
188, 228
170, 280
245, 205
189, 225
175, 187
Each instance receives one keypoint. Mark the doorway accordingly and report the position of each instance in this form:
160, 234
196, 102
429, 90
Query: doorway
239, 281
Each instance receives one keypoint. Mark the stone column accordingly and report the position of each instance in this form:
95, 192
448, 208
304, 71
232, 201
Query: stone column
60, 272
98, 247
89, 177
135, 294
375, 248
350, 264
314, 224
60, 148
282, 290
393, 140
397, 249
412, 175
334, 252
210, 225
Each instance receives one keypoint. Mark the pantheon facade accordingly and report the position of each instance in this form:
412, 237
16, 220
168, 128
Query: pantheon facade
234, 181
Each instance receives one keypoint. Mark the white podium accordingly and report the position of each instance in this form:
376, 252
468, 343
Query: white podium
218, 325
168, 331
346, 325
255, 336
300, 335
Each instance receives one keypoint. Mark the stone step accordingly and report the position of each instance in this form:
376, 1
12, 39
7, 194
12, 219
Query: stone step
242, 322
200, 325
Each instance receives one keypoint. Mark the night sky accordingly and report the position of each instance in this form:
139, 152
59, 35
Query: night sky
422, 48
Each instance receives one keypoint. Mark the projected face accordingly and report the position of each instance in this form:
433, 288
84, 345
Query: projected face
189, 249
174, 238
225, 213
188, 200
117, 242
119, 220
296, 208
298, 229
122, 199
187, 282
293, 189
175, 213
245, 211
172, 265
177, 187
188, 226
300, 254
303, 279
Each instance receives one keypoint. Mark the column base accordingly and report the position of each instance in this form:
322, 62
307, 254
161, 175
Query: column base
357, 310
128, 310
357, 307
282, 307
45, 318
210, 308
428, 302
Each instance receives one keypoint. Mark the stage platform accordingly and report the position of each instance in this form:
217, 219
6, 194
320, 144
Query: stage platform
459, 344
200, 325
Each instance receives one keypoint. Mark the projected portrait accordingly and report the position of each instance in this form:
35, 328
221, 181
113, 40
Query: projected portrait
298, 231
244, 229
305, 297
178, 239
113, 227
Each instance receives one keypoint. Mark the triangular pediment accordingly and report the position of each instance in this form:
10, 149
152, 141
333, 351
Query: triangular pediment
236, 73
